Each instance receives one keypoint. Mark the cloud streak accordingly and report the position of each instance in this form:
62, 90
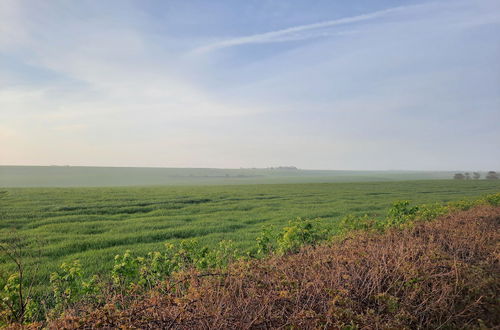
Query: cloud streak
302, 32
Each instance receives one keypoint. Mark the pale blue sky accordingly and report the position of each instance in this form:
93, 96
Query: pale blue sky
316, 84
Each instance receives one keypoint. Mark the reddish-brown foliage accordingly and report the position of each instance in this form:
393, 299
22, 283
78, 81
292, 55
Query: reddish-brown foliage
441, 274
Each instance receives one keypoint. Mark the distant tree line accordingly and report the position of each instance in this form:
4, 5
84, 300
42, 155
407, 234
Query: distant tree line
283, 168
491, 175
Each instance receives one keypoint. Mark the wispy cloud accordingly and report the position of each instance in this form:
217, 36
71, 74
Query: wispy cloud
301, 32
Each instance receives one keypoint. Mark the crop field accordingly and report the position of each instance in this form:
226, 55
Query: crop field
83, 176
94, 224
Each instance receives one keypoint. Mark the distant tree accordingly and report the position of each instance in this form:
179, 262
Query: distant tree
492, 175
476, 175
467, 176
459, 176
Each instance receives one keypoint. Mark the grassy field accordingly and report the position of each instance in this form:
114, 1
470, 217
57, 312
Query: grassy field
94, 224
79, 176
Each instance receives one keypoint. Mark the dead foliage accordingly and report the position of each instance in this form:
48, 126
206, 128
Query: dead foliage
439, 274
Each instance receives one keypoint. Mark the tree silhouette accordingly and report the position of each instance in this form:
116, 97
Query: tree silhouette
492, 175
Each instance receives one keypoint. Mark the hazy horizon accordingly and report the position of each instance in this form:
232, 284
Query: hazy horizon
257, 168
327, 85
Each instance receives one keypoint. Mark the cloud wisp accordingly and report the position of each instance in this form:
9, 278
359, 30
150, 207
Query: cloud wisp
301, 32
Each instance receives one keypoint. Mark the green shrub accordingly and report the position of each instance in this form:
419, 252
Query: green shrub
12, 307
223, 254
191, 254
69, 285
429, 212
351, 223
297, 234
464, 205
11, 303
493, 199
154, 267
401, 212
266, 241
125, 270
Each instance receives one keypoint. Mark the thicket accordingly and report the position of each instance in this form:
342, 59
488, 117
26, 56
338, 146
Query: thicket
173, 272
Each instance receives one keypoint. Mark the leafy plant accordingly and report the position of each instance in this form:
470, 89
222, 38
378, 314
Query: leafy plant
431, 211
297, 234
493, 199
154, 267
125, 270
225, 253
462, 205
69, 284
16, 298
266, 241
401, 212
351, 222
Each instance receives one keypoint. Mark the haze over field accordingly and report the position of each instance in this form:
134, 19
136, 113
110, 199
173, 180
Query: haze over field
371, 85
79, 176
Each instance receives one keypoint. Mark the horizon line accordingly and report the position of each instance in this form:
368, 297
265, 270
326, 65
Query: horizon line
248, 168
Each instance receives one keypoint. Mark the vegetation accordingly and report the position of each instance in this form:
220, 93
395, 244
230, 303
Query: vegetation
80, 176
492, 175
418, 276
65, 247
95, 224
432, 275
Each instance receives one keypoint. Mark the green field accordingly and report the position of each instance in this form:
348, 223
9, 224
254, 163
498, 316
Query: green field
80, 176
94, 224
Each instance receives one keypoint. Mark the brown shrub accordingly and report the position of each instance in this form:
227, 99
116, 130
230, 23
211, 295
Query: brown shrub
440, 274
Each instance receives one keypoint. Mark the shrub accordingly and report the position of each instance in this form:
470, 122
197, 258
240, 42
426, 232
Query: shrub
224, 254
351, 223
16, 294
69, 285
493, 199
266, 241
463, 205
192, 254
401, 212
154, 267
125, 270
431, 211
297, 234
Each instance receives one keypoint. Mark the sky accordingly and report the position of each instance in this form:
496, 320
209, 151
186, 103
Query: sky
323, 84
